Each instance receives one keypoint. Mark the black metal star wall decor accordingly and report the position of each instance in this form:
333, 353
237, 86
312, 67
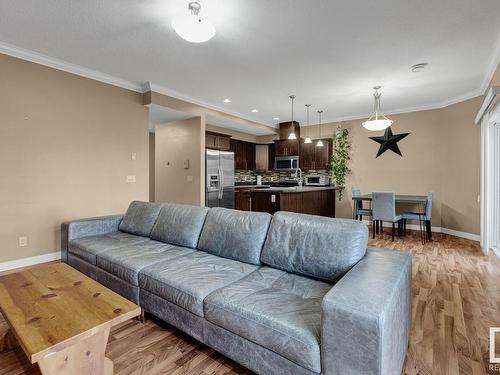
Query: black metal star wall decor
389, 142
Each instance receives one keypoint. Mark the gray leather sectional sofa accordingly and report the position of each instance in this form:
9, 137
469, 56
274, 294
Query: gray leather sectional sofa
282, 294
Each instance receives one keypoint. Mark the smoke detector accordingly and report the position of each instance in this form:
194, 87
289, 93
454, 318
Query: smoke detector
417, 68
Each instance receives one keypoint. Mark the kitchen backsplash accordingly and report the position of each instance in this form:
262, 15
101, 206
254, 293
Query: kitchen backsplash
269, 176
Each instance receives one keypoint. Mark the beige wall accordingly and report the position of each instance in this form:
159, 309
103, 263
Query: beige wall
65, 152
176, 142
151, 167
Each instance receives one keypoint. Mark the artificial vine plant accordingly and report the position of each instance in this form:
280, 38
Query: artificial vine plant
339, 162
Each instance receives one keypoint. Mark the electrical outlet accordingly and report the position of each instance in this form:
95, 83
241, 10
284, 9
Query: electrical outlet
130, 179
23, 241
189, 178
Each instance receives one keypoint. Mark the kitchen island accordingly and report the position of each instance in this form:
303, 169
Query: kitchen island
314, 200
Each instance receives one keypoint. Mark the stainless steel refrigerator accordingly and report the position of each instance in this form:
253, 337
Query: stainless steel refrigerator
220, 179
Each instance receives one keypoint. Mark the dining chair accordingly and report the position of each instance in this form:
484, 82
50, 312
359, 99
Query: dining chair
359, 211
384, 209
424, 217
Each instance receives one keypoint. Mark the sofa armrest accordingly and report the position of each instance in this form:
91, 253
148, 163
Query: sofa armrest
71, 230
367, 316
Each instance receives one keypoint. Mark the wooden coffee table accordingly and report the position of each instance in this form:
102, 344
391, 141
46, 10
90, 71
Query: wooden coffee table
61, 318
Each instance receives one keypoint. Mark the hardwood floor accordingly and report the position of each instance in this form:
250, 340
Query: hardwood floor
456, 298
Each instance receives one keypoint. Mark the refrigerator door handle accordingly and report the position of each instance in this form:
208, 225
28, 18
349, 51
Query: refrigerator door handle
222, 183
219, 195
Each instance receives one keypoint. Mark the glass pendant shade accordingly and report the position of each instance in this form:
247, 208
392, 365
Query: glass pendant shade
192, 27
319, 143
292, 136
307, 140
377, 121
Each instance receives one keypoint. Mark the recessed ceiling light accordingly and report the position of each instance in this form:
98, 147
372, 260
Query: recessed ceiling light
227, 100
418, 67
276, 118
255, 110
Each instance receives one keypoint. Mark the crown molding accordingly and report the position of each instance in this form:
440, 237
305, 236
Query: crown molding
65, 66
492, 66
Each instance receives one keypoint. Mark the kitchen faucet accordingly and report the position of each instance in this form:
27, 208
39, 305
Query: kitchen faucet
299, 172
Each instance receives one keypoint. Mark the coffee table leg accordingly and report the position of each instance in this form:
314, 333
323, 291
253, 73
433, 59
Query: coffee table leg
8, 342
85, 357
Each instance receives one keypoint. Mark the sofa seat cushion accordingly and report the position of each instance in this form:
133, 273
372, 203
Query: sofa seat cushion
140, 218
126, 262
187, 280
275, 309
87, 248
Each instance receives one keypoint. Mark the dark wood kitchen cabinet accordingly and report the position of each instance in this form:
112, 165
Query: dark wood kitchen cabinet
244, 155
243, 199
272, 153
313, 157
217, 141
287, 127
286, 148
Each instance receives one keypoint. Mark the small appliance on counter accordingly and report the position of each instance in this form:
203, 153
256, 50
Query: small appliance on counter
259, 180
317, 180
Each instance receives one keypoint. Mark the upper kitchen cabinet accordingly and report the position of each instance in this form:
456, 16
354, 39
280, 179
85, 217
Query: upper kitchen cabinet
286, 148
287, 127
217, 141
244, 155
312, 157
262, 158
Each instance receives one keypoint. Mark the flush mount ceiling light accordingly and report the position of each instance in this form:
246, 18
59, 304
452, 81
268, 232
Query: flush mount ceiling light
308, 139
320, 142
417, 68
292, 134
255, 110
192, 27
227, 100
377, 121
276, 118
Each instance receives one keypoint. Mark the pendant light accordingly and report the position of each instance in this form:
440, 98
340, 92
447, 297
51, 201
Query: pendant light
192, 27
320, 142
308, 139
292, 134
377, 121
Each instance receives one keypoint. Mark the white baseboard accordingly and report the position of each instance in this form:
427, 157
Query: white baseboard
25, 262
456, 233
451, 232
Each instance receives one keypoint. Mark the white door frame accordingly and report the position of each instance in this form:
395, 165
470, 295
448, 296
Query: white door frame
490, 180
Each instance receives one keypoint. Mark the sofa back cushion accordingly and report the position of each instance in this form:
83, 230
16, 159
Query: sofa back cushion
315, 246
179, 224
235, 234
140, 218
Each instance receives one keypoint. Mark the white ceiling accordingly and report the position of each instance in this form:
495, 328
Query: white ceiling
328, 53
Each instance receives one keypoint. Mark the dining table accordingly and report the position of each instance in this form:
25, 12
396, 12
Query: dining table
420, 200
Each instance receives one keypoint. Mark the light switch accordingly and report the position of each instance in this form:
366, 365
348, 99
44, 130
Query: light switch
189, 178
23, 241
133, 156
130, 179
186, 164
273, 198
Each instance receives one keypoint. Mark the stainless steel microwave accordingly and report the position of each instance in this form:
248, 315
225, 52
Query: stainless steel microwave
286, 163
317, 180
